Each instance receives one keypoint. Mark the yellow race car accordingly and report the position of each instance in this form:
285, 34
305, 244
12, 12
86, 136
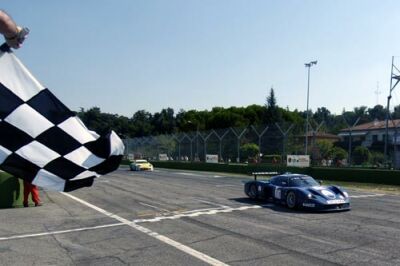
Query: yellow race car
141, 165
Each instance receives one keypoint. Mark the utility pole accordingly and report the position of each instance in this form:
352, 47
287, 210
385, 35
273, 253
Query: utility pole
394, 75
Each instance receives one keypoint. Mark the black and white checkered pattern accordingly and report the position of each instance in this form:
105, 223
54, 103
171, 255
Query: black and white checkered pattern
41, 140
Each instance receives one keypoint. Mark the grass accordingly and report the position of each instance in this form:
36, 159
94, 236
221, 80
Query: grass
375, 188
378, 188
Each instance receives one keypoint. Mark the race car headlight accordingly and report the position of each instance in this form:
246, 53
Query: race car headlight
309, 195
345, 194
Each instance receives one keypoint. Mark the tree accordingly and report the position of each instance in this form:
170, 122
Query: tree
166, 144
396, 113
254, 114
273, 113
164, 122
322, 114
325, 148
271, 100
378, 112
103, 123
224, 118
377, 158
361, 155
250, 151
141, 121
338, 154
362, 113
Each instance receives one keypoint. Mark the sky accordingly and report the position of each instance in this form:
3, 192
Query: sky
127, 55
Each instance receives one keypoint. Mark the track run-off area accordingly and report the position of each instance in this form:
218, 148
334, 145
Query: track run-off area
172, 217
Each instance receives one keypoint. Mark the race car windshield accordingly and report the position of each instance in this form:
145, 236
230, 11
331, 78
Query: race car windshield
303, 181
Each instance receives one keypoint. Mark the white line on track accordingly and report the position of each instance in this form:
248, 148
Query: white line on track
212, 203
367, 196
199, 210
164, 239
195, 214
188, 174
60, 232
154, 207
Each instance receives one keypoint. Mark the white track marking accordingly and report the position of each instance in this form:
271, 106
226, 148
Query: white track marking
199, 210
188, 174
195, 214
212, 203
367, 196
164, 239
154, 207
60, 232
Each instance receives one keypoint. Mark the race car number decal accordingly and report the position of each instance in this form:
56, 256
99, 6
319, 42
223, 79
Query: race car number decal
278, 193
336, 201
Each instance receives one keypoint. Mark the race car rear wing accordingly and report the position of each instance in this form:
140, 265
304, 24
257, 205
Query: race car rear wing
255, 174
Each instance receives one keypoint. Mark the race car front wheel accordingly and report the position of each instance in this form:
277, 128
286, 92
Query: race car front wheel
291, 200
253, 191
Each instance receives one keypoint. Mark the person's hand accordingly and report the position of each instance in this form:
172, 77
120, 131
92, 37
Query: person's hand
19, 37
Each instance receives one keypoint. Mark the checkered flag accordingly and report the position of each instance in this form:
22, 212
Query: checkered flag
41, 140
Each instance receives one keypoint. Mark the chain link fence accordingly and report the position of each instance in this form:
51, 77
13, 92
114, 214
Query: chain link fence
274, 142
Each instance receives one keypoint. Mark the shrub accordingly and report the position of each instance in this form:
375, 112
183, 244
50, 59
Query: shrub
325, 148
272, 158
249, 151
338, 154
377, 158
361, 155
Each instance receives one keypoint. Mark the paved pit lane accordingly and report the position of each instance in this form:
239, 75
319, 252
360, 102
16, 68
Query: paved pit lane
170, 217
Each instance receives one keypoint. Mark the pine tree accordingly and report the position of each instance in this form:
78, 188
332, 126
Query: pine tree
271, 100
273, 113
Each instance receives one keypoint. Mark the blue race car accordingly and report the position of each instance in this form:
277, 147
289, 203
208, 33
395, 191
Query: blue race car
298, 191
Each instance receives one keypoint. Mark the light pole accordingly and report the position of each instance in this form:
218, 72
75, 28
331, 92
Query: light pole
308, 65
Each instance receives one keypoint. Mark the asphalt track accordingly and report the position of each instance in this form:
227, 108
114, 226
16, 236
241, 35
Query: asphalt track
170, 217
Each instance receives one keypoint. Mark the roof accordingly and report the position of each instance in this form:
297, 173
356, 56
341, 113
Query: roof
374, 125
321, 135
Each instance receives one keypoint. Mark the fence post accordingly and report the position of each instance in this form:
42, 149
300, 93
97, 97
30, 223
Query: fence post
238, 142
284, 134
350, 137
220, 141
259, 135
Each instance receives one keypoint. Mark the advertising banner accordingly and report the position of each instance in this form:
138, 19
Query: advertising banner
298, 160
162, 157
211, 158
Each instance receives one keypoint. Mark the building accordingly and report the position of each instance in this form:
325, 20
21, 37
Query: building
315, 136
372, 132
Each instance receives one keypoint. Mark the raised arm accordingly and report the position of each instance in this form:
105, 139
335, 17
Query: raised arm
13, 34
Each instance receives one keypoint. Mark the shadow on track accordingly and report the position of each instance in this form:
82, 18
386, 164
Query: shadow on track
279, 207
